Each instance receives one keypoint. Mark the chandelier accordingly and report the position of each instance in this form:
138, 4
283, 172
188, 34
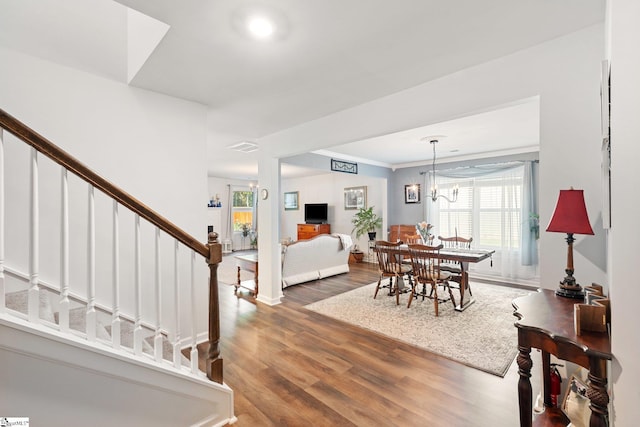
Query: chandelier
434, 187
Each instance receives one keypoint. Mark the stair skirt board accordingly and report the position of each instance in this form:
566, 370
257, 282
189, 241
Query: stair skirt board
60, 380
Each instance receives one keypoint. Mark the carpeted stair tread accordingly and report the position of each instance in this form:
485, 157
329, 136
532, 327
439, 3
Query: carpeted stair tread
19, 302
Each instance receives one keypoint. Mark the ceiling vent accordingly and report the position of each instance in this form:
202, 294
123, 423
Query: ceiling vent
244, 146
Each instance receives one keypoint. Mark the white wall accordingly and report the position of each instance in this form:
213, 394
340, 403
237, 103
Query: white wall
564, 72
329, 188
625, 180
151, 145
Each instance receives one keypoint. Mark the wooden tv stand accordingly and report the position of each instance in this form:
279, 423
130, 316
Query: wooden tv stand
307, 231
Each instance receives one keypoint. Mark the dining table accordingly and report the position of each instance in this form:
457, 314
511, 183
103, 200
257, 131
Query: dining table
463, 256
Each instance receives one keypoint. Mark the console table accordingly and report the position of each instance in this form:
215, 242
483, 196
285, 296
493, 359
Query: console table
545, 321
307, 231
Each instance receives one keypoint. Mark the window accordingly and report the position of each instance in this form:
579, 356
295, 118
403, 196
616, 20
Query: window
488, 209
242, 209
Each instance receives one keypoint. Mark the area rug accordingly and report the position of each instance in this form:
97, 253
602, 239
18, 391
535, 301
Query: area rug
483, 336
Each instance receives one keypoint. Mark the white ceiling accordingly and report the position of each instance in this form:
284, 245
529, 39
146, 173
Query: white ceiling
327, 56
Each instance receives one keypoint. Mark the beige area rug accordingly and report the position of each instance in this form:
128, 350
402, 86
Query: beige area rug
227, 270
483, 336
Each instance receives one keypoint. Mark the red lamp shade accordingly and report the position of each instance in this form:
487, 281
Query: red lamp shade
570, 215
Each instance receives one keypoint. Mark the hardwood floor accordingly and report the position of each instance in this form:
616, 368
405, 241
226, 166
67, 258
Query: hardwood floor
292, 367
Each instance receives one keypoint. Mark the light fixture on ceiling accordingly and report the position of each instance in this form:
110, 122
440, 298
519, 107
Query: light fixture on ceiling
244, 146
260, 27
433, 140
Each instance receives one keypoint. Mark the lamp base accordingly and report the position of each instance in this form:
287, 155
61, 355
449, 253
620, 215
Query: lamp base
568, 287
570, 293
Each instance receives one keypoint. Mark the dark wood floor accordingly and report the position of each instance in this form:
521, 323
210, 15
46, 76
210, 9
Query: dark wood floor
292, 367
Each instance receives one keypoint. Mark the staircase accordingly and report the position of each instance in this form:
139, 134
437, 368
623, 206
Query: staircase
108, 349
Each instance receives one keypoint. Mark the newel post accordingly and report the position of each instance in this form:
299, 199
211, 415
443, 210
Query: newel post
214, 362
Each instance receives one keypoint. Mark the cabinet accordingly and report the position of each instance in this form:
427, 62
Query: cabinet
545, 321
307, 231
397, 231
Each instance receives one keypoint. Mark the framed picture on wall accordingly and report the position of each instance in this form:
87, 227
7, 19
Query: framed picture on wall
412, 193
291, 201
355, 197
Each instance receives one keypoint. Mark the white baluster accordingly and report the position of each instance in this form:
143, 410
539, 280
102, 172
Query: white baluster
157, 340
2, 236
63, 313
194, 332
115, 319
176, 302
91, 270
34, 243
137, 329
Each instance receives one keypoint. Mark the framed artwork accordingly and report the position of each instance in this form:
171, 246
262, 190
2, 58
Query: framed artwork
412, 193
342, 166
291, 201
355, 197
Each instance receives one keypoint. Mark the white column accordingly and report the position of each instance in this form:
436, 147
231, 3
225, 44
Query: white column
625, 180
269, 273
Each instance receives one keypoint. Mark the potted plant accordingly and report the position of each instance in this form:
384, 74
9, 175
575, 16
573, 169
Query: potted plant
366, 221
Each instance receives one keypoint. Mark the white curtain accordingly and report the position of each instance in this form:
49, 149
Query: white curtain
229, 226
493, 207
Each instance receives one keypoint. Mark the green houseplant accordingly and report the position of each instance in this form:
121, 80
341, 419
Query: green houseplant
366, 221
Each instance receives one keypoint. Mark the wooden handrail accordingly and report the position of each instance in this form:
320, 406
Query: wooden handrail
211, 251
66, 160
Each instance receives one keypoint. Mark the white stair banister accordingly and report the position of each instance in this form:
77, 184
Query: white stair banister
137, 328
33, 304
91, 269
115, 317
41, 293
157, 340
194, 331
176, 304
2, 235
63, 315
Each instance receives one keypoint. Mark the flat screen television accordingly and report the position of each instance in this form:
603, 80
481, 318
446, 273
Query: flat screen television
316, 213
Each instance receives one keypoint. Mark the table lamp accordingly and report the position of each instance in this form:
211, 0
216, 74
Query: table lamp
570, 216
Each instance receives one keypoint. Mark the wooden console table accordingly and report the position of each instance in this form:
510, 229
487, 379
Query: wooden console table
545, 321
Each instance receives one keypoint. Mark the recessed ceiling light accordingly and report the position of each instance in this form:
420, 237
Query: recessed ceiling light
260, 27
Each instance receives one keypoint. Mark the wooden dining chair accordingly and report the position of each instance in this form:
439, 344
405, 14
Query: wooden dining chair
427, 275
390, 265
416, 239
454, 267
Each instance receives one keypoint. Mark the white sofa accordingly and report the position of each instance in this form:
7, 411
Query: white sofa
322, 256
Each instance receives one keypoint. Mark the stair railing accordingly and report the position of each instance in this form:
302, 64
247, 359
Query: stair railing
211, 251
